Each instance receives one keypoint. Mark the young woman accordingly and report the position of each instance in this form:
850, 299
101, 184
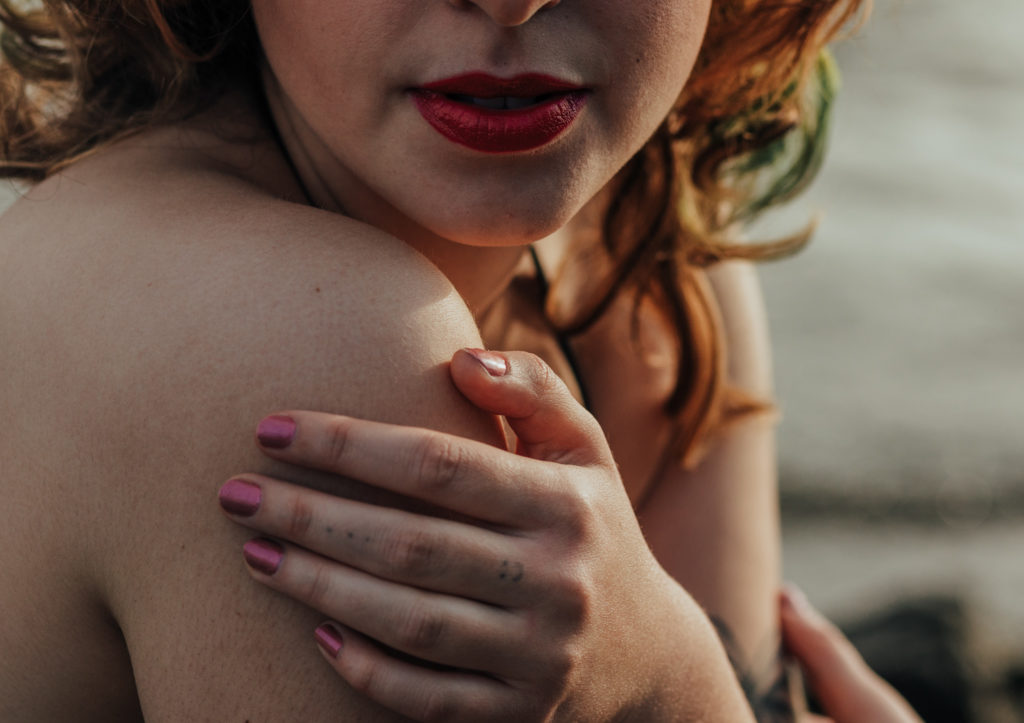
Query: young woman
312, 204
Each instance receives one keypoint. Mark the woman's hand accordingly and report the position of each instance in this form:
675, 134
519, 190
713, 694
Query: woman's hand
531, 596
848, 689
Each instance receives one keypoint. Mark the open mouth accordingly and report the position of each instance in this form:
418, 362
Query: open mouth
500, 115
502, 102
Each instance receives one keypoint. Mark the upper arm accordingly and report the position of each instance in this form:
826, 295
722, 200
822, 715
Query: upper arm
715, 527
158, 370
737, 292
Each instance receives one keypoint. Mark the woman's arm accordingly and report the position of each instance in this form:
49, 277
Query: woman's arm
136, 356
850, 692
715, 528
166, 335
541, 598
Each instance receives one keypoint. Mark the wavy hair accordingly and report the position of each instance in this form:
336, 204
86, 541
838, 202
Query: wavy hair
747, 133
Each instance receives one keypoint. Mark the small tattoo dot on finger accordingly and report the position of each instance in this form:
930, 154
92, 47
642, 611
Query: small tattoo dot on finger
512, 571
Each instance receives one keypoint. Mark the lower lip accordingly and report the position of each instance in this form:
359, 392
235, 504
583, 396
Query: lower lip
499, 131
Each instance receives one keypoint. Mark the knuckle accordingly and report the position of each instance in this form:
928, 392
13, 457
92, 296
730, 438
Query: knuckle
300, 518
414, 553
537, 378
364, 677
438, 462
541, 376
569, 603
573, 601
574, 511
557, 673
421, 630
318, 589
563, 667
336, 438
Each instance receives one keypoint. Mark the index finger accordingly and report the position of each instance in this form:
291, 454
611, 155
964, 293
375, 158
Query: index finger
458, 474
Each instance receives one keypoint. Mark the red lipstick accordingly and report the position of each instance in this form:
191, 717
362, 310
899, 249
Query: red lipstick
500, 115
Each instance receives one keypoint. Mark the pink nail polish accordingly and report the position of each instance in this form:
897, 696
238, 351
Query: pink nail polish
240, 497
263, 555
495, 364
276, 431
328, 638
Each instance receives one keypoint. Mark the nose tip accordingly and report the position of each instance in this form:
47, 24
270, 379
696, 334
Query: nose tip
508, 13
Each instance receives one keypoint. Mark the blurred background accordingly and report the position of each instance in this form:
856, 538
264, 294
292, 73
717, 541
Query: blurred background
899, 341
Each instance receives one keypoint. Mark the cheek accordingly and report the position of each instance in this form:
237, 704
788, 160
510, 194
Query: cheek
316, 47
659, 52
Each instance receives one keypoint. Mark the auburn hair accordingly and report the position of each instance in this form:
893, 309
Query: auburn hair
747, 132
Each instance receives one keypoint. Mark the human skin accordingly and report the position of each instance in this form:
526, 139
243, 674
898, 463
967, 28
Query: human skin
849, 691
110, 537
478, 485
339, 81
535, 586
190, 282
338, 90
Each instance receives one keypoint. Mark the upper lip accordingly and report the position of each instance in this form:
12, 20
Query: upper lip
484, 85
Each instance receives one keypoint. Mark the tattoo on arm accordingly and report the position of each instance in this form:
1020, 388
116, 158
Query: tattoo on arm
769, 690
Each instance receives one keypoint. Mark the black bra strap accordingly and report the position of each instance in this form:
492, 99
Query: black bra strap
563, 340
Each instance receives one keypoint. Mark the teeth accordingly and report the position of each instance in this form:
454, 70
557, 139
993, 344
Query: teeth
499, 103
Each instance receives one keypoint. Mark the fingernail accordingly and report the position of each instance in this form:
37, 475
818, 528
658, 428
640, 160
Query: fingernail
328, 638
263, 555
240, 497
495, 364
276, 431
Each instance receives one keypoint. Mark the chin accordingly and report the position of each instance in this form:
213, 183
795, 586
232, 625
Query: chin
510, 217
502, 228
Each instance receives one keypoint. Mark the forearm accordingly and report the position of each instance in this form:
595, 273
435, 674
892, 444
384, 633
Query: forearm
715, 530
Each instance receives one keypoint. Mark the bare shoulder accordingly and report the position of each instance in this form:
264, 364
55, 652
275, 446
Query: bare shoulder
166, 265
150, 316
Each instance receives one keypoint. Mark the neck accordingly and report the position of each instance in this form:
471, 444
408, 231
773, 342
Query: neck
479, 273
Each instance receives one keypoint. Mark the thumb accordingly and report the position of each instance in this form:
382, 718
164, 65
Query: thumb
848, 689
550, 424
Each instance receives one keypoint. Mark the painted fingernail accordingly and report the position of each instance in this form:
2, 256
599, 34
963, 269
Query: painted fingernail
263, 555
240, 497
276, 431
495, 364
328, 638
